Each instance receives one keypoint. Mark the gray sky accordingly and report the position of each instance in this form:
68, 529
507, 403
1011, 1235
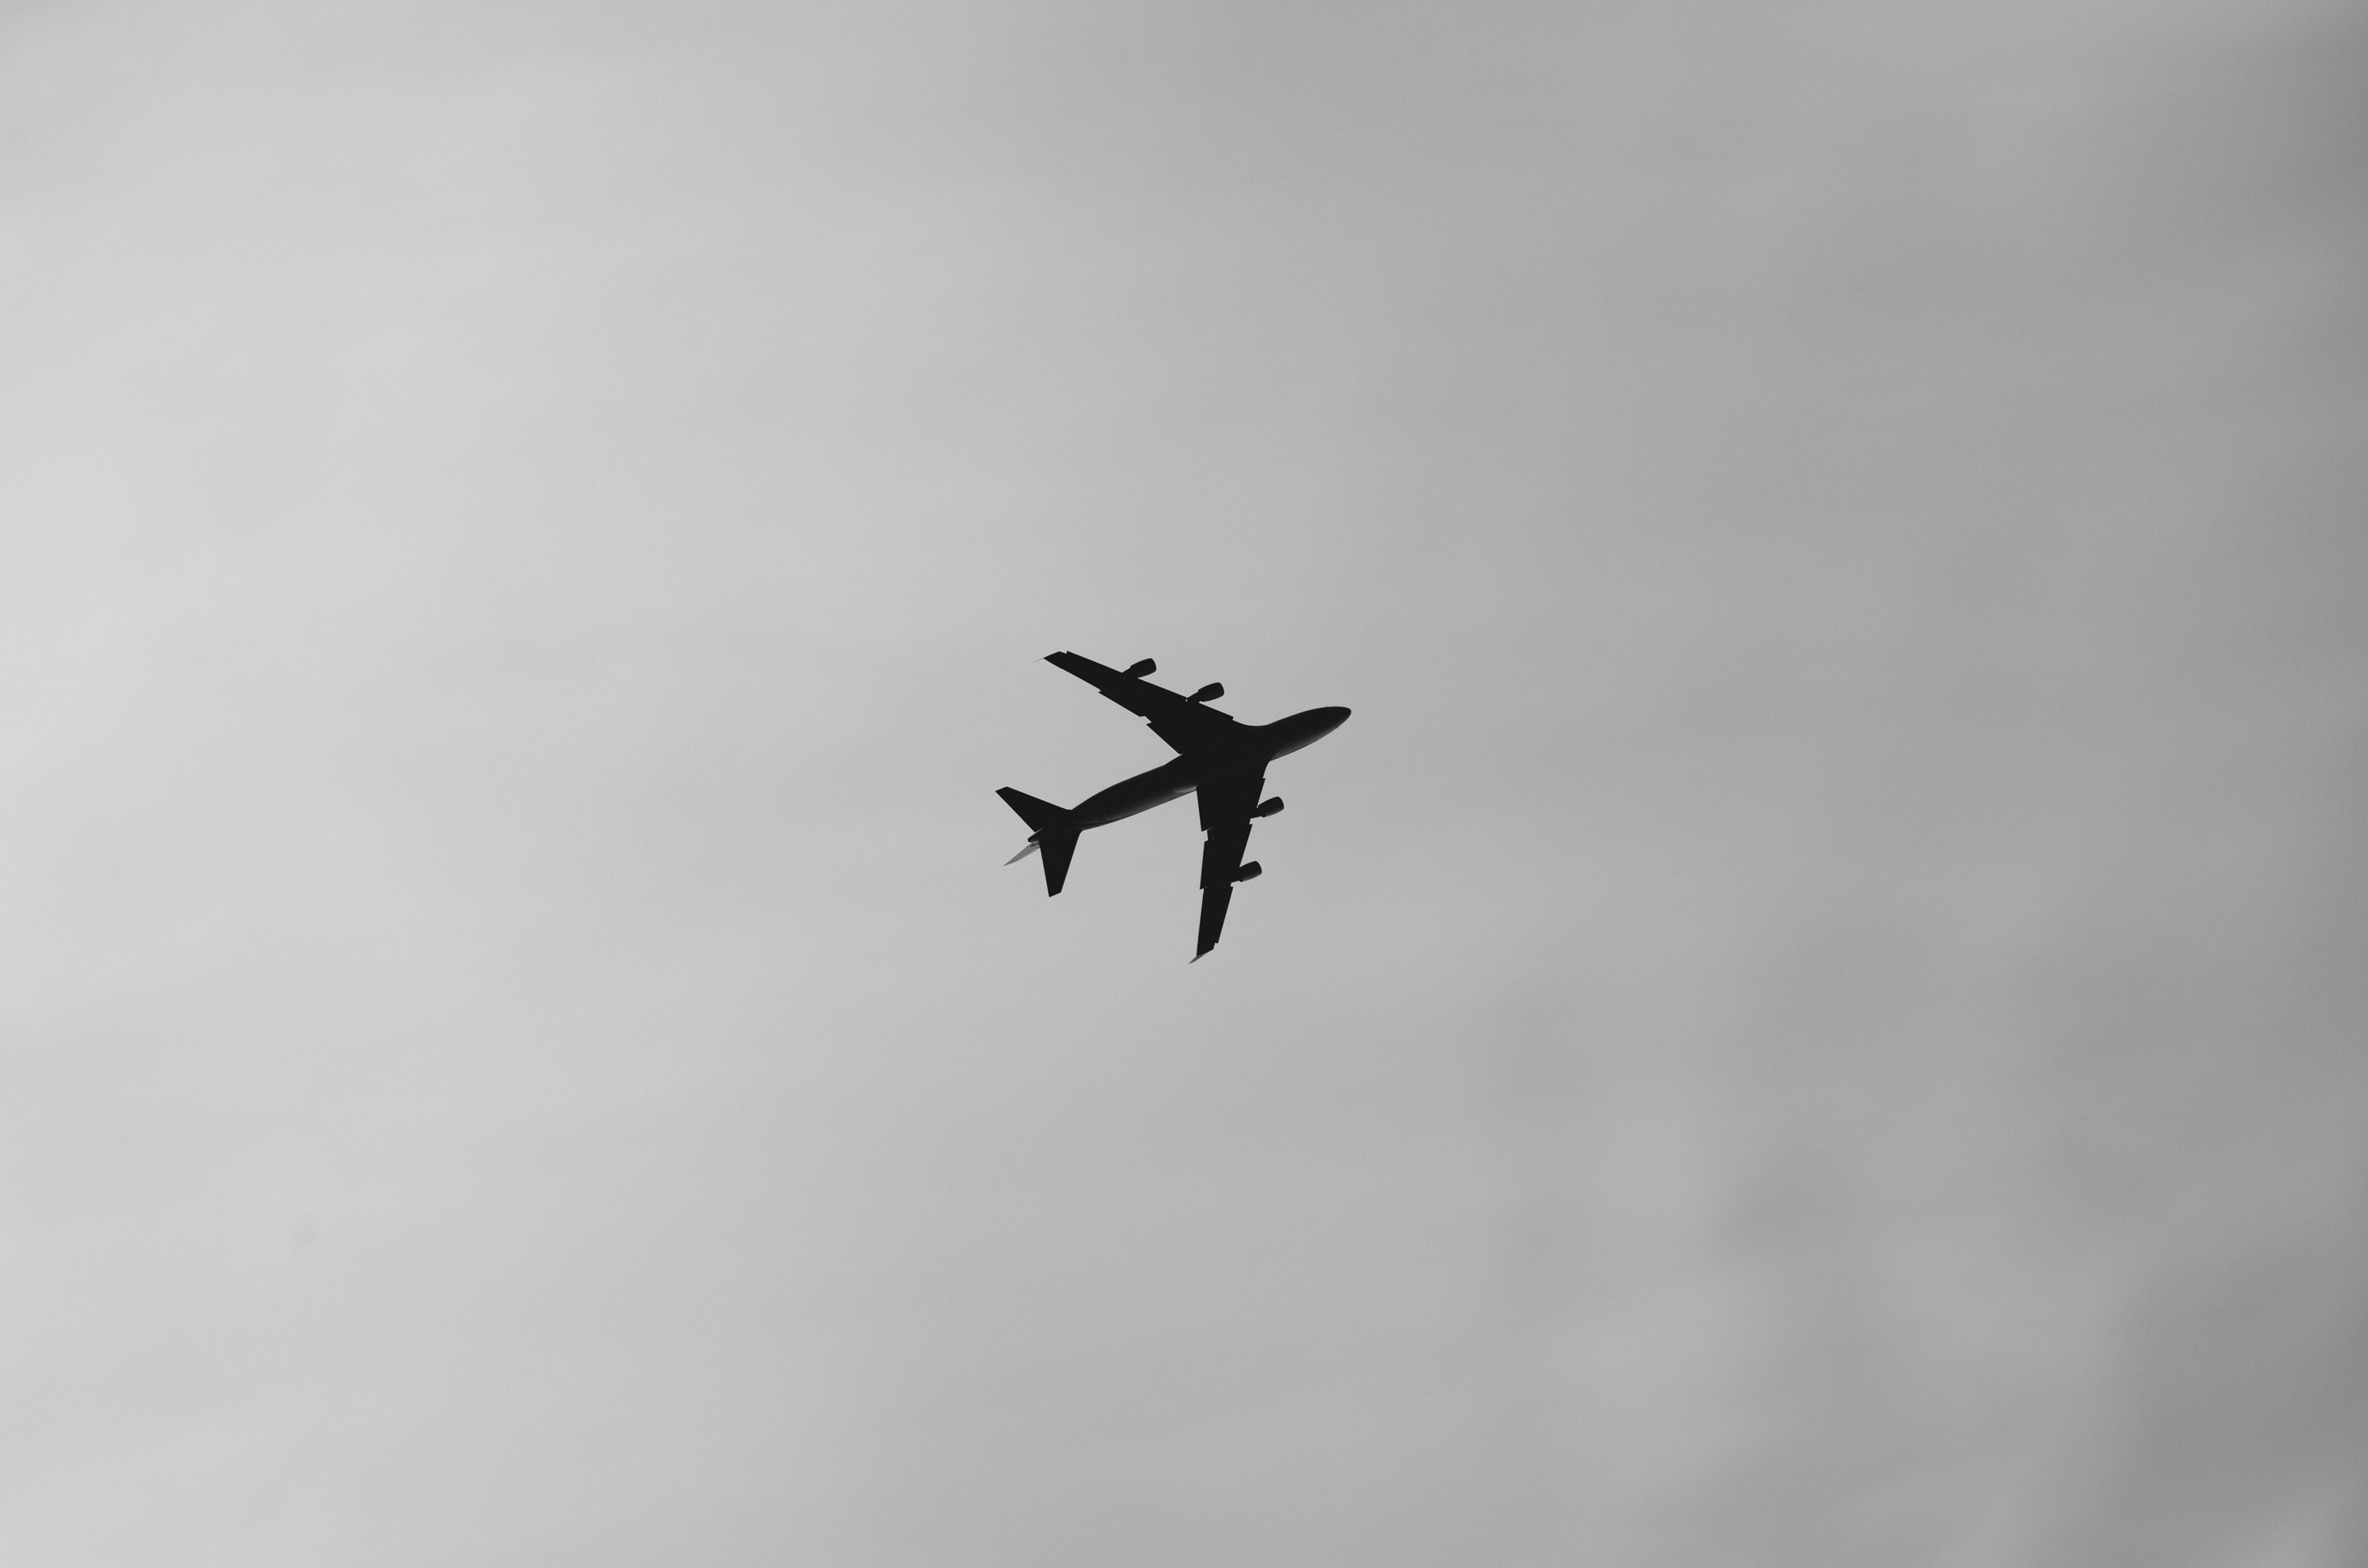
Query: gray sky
1812, 1017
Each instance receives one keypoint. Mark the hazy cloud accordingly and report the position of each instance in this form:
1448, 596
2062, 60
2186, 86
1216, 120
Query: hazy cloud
1811, 1018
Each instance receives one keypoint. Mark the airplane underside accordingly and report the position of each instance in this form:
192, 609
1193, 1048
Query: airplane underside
1220, 760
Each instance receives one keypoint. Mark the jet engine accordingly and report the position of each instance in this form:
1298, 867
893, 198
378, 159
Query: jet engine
1208, 693
1268, 806
1249, 871
1141, 667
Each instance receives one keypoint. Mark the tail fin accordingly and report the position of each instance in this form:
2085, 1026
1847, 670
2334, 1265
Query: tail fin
1053, 836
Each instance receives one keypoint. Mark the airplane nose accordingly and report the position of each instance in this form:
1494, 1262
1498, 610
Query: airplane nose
1334, 718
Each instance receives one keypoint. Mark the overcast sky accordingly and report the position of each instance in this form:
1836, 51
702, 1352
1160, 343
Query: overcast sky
1814, 1015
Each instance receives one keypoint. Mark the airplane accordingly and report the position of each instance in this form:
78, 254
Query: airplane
1222, 758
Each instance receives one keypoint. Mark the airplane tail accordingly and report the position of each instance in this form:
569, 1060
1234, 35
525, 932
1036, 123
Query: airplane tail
1053, 836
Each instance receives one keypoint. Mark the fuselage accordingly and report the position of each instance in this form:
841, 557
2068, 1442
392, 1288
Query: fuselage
1257, 745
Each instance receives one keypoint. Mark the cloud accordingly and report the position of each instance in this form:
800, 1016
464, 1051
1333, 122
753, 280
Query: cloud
1806, 1020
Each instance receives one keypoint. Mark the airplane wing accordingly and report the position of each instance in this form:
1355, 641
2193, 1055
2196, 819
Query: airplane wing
1227, 804
1183, 724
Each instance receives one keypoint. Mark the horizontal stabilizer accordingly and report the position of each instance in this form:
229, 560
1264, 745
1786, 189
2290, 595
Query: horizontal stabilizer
1057, 848
1054, 835
1038, 814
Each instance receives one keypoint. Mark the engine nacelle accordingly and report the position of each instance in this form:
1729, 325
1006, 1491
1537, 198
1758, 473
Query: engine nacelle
1268, 806
1250, 871
1141, 667
1208, 693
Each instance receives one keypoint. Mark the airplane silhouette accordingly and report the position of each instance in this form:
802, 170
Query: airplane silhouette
1220, 758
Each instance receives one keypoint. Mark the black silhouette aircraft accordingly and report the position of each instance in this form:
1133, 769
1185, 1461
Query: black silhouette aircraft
1224, 759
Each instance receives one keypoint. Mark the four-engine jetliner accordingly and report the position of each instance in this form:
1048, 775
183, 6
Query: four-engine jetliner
1222, 758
